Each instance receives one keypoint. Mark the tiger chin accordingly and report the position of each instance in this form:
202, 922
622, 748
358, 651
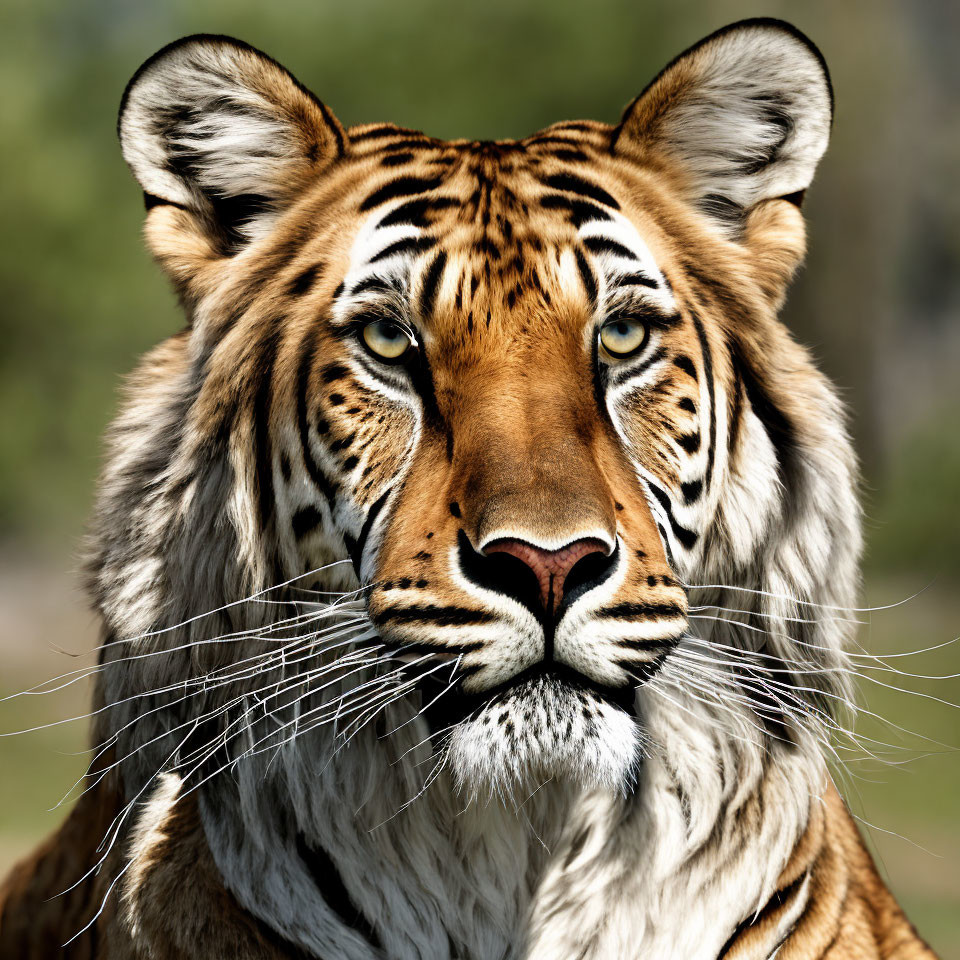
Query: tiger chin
473, 565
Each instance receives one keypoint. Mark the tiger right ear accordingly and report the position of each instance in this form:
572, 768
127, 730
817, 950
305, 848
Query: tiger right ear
741, 117
227, 137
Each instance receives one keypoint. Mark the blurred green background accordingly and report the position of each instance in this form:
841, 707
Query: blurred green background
878, 303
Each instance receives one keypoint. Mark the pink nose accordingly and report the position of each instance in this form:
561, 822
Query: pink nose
550, 566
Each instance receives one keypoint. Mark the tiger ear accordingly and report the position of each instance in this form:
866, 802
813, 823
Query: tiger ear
741, 117
225, 136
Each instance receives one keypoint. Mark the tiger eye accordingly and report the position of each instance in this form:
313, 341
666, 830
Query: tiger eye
386, 340
623, 337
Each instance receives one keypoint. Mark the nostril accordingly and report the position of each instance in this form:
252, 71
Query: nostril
501, 572
588, 572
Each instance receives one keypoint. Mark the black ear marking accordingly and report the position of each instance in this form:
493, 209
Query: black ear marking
150, 201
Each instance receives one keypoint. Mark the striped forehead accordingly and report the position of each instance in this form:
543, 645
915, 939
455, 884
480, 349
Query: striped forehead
586, 247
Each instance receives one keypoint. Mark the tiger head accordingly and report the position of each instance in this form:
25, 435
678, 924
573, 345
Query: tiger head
527, 402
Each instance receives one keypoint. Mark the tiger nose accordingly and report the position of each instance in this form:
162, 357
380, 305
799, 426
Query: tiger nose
552, 568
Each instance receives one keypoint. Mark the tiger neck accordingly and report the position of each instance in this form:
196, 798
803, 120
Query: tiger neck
337, 870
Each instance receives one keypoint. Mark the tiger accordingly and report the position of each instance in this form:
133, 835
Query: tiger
475, 567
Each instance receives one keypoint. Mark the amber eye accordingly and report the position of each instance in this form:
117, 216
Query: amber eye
623, 337
387, 340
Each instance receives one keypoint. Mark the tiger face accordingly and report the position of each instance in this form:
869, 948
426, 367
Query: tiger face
535, 391
498, 345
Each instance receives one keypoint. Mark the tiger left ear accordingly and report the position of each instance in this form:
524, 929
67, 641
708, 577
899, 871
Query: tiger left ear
741, 117
221, 137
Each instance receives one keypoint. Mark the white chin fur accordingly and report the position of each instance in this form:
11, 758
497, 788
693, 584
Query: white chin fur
541, 730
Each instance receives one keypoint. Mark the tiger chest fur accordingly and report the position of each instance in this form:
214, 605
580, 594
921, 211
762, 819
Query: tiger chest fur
471, 566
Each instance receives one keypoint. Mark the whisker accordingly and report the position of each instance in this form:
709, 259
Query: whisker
84, 673
231, 604
204, 682
805, 603
306, 677
775, 616
794, 689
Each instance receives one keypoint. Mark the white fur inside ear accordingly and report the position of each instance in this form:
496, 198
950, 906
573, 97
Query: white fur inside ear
745, 115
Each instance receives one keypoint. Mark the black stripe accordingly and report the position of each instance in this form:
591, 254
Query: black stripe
586, 275
689, 442
580, 211
386, 130
565, 141
431, 282
574, 184
644, 646
334, 891
307, 357
648, 669
638, 279
601, 380
396, 159
772, 906
571, 156
641, 611
691, 491
346, 441
606, 245
413, 245
708, 374
429, 613
263, 445
582, 126
400, 187
334, 372
445, 647
654, 357
150, 201
356, 547
666, 544
372, 285
415, 212
686, 537
777, 425
489, 249
333, 124
685, 364
304, 280
305, 520
411, 143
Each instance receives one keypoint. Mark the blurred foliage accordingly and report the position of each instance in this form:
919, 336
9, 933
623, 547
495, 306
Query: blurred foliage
913, 519
878, 302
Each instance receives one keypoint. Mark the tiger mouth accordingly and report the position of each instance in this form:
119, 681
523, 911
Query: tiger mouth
455, 705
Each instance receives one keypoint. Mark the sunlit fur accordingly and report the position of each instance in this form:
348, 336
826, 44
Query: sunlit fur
288, 550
